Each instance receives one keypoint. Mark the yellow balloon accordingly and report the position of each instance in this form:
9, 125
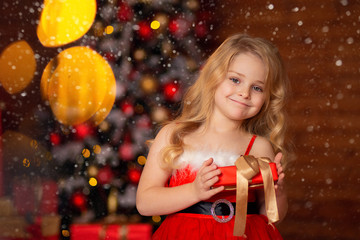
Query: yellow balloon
79, 85
106, 105
17, 67
64, 21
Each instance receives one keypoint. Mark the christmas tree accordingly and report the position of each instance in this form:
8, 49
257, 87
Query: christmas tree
155, 49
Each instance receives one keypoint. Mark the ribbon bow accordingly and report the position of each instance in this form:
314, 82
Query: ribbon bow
247, 167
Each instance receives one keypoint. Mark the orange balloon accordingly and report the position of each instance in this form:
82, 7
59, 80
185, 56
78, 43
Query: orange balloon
64, 21
79, 85
17, 67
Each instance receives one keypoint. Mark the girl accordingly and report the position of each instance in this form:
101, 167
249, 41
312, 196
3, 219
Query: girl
235, 107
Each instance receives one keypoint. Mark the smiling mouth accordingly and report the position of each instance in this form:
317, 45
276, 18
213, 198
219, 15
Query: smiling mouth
238, 102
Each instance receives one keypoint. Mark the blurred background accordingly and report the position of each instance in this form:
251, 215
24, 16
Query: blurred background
85, 83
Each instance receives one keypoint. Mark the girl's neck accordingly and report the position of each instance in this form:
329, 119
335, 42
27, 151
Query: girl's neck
222, 125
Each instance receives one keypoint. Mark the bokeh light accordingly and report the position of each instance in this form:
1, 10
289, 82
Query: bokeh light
141, 160
26, 162
17, 66
109, 29
34, 144
64, 21
97, 149
79, 85
92, 171
65, 233
92, 182
156, 219
148, 84
86, 153
155, 24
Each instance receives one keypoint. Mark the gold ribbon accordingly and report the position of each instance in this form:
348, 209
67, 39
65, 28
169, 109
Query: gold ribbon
123, 232
247, 167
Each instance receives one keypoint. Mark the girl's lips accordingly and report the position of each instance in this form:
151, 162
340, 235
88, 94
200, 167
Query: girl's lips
241, 103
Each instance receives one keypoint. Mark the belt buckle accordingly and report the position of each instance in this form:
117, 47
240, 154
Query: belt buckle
222, 220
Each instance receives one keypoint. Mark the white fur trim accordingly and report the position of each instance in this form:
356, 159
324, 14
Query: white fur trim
196, 158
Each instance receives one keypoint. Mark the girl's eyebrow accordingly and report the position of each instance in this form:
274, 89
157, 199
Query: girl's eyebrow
242, 75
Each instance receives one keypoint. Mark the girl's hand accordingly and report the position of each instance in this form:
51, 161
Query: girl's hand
279, 186
206, 177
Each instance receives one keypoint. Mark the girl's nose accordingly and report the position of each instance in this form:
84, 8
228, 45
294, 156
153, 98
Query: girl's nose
244, 92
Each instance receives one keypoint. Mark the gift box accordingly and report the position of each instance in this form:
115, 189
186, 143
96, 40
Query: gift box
13, 227
38, 197
250, 172
6, 207
37, 228
110, 232
227, 178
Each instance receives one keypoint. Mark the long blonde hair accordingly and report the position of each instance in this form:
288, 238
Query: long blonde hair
198, 102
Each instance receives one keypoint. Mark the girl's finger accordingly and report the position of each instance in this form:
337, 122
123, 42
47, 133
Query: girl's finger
209, 183
206, 164
216, 190
210, 174
278, 158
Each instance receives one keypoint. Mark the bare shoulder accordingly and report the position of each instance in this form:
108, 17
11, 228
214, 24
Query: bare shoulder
262, 148
164, 134
162, 138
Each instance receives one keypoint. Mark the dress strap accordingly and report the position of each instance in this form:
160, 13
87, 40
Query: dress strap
250, 145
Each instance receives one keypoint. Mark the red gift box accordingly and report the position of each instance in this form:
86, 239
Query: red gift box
41, 228
227, 177
250, 172
110, 232
39, 197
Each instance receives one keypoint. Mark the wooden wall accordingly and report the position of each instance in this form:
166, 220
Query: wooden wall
320, 44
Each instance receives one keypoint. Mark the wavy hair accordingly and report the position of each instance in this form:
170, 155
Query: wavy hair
198, 102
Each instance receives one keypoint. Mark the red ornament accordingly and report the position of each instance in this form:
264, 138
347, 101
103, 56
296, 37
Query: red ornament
144, 122
105, 175
82, 131
127, 108
133, 74
144, 31
179, 27
126, 151
201, 30
173, 26
125, 12
171, 91
134, 175
109, 56
55, 139
78, 199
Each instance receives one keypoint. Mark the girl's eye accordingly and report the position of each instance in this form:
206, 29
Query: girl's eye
235, 80
258, 89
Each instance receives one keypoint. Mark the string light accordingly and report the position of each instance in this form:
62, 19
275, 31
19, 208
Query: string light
155, 24
97, 149
109, 29
92, 182
156, 218
85, 152
65, 233
141, 160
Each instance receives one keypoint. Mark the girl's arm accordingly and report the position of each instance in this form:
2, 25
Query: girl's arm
153, 198
263, 149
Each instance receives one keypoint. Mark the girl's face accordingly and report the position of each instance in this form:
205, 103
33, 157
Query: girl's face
241, 94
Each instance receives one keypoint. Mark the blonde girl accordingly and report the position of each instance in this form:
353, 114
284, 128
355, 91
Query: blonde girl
235, 107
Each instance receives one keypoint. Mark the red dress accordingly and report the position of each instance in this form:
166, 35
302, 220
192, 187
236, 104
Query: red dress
190, 226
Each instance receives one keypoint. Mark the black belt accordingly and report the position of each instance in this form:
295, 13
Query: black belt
221, 209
